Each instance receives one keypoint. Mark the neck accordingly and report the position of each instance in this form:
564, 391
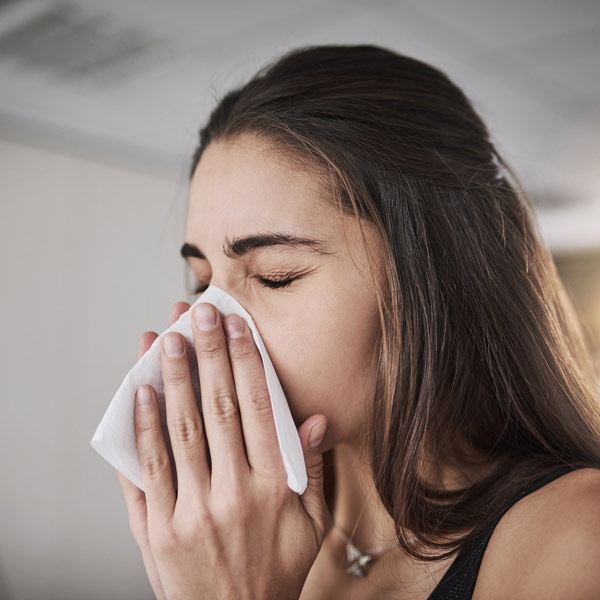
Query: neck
358, 509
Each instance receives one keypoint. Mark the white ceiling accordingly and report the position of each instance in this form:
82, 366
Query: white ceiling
131, 81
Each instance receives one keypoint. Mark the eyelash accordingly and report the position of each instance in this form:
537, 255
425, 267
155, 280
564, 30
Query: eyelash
268, 283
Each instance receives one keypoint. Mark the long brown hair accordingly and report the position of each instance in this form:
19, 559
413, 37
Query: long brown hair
481, 360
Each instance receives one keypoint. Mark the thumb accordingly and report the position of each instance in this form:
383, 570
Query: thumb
313, 498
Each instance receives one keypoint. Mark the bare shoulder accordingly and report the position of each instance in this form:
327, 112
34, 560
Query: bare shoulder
548, 544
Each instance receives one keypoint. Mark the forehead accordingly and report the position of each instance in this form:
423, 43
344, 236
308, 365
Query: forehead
243, 184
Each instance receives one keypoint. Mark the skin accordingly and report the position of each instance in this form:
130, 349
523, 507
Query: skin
264, 541
238, 189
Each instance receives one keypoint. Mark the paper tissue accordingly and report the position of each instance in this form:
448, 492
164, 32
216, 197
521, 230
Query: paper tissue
115, 438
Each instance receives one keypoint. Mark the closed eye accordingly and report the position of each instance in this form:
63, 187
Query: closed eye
276, 283
269, 283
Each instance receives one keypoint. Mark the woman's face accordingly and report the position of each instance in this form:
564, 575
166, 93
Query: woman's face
320, 330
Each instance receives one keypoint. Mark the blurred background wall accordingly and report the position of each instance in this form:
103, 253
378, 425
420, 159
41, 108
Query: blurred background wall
100, 103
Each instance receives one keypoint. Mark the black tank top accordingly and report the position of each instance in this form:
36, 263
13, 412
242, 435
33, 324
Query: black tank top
458, 581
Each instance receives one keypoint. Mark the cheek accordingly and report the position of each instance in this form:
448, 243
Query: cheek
325, 367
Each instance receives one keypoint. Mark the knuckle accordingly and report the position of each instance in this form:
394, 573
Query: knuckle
178, 379
209, 347
259, 400
144, 426
155, 465
177, 373
241, 348
187, 429
224, 406
315, 473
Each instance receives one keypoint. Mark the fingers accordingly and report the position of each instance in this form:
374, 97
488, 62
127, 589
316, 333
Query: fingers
136, 503
146, 340
134, 497
152, 452
219, 399
260, 434
183, 419
132, 492
177, 310
311, 433
151, 444
154, 459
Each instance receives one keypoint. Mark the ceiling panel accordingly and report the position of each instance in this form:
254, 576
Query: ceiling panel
131, 81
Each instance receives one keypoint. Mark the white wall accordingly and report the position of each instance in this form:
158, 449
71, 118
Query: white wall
89, 257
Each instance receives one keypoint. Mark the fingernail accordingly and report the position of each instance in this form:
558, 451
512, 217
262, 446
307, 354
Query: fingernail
205, 316
173, 344
234, 326
316, 434
144, 397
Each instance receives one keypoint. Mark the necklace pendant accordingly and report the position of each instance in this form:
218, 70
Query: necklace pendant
359, 562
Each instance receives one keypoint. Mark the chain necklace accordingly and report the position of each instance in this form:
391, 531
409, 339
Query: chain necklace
360, 561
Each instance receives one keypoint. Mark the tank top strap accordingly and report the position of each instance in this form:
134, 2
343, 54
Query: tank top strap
459, 580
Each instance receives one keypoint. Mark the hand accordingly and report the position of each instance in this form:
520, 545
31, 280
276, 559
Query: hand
236, 531
134, 497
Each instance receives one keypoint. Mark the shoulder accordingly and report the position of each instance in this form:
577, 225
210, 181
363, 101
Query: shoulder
548, 544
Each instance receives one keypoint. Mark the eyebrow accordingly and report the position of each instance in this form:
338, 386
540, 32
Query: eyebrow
239, 246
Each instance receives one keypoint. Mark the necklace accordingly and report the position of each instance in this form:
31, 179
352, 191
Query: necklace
359, 561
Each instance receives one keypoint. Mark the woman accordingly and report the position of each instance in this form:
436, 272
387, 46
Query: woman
351, 200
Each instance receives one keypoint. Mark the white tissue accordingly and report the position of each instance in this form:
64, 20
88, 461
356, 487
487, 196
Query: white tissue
115, 438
